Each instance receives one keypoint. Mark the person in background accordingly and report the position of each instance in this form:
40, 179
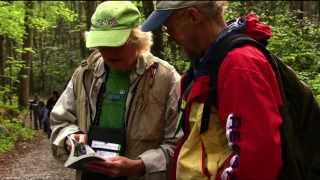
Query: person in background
44, 118
49, 106
40, 107
34, 112
52, 100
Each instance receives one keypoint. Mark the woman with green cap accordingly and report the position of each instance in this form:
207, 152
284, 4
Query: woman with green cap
122, 97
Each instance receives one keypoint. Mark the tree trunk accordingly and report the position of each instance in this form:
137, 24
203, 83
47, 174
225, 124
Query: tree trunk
248, 4
147, 8
2, 61
86, 9
297, 6
318, 12
25, 72
157, 47
90, 7
307, 9
42, 65
83, 50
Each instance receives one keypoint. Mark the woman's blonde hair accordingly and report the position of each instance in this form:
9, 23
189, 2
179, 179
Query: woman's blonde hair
141, 40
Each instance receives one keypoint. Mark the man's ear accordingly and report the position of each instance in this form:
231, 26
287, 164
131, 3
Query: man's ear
194, 15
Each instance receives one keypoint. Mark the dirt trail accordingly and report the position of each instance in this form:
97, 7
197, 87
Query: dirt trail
33, 161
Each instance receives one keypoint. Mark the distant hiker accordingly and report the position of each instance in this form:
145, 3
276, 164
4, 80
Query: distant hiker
121, 94
34, 112
49, 106
52, 100
40, 113
44, 118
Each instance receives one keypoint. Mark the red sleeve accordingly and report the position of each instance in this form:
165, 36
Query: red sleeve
248, 103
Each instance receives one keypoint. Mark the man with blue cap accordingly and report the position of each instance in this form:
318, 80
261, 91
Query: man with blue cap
229, 112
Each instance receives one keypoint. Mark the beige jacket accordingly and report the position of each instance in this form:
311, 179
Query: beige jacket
151, 111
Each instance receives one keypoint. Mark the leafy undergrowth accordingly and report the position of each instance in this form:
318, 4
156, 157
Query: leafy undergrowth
12, 129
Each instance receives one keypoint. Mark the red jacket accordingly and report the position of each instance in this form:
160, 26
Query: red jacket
248, 88
247, 92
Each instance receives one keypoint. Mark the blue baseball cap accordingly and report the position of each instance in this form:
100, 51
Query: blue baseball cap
162, 12
156, 19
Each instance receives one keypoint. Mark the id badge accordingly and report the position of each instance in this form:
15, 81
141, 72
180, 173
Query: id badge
107, 142
106, 150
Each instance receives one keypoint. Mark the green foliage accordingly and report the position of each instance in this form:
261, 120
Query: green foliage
11, 129
174, 55
46, 14
57, 28
295, 40
12, 68
12, 20
61, 11
8, 92
53, 57
40, 24
49, 13
313, 79
45, 19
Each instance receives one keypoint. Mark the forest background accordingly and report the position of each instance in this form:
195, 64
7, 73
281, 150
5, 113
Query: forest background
41, 42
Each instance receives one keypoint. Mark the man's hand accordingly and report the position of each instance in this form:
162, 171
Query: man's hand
117, 166
81, 138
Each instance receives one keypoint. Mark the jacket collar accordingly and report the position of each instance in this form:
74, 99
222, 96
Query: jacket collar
144, 62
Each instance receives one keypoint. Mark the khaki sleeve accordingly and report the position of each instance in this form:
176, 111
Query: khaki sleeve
63, 121
158, 160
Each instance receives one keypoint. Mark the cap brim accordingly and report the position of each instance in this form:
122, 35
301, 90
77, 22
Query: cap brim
110, 38
156, 19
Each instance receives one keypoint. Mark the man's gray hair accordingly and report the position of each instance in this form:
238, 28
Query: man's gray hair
213, 8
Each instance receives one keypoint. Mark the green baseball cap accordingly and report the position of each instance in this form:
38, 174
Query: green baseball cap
112, 23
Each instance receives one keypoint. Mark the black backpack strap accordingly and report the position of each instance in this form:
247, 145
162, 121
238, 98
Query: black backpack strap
221, 49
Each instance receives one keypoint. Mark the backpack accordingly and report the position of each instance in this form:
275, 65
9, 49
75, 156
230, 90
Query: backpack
300, 111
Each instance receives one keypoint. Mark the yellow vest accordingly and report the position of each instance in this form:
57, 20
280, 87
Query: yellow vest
201, 155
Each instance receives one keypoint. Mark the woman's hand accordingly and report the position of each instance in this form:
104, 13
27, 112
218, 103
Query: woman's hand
117, 166
81, 138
